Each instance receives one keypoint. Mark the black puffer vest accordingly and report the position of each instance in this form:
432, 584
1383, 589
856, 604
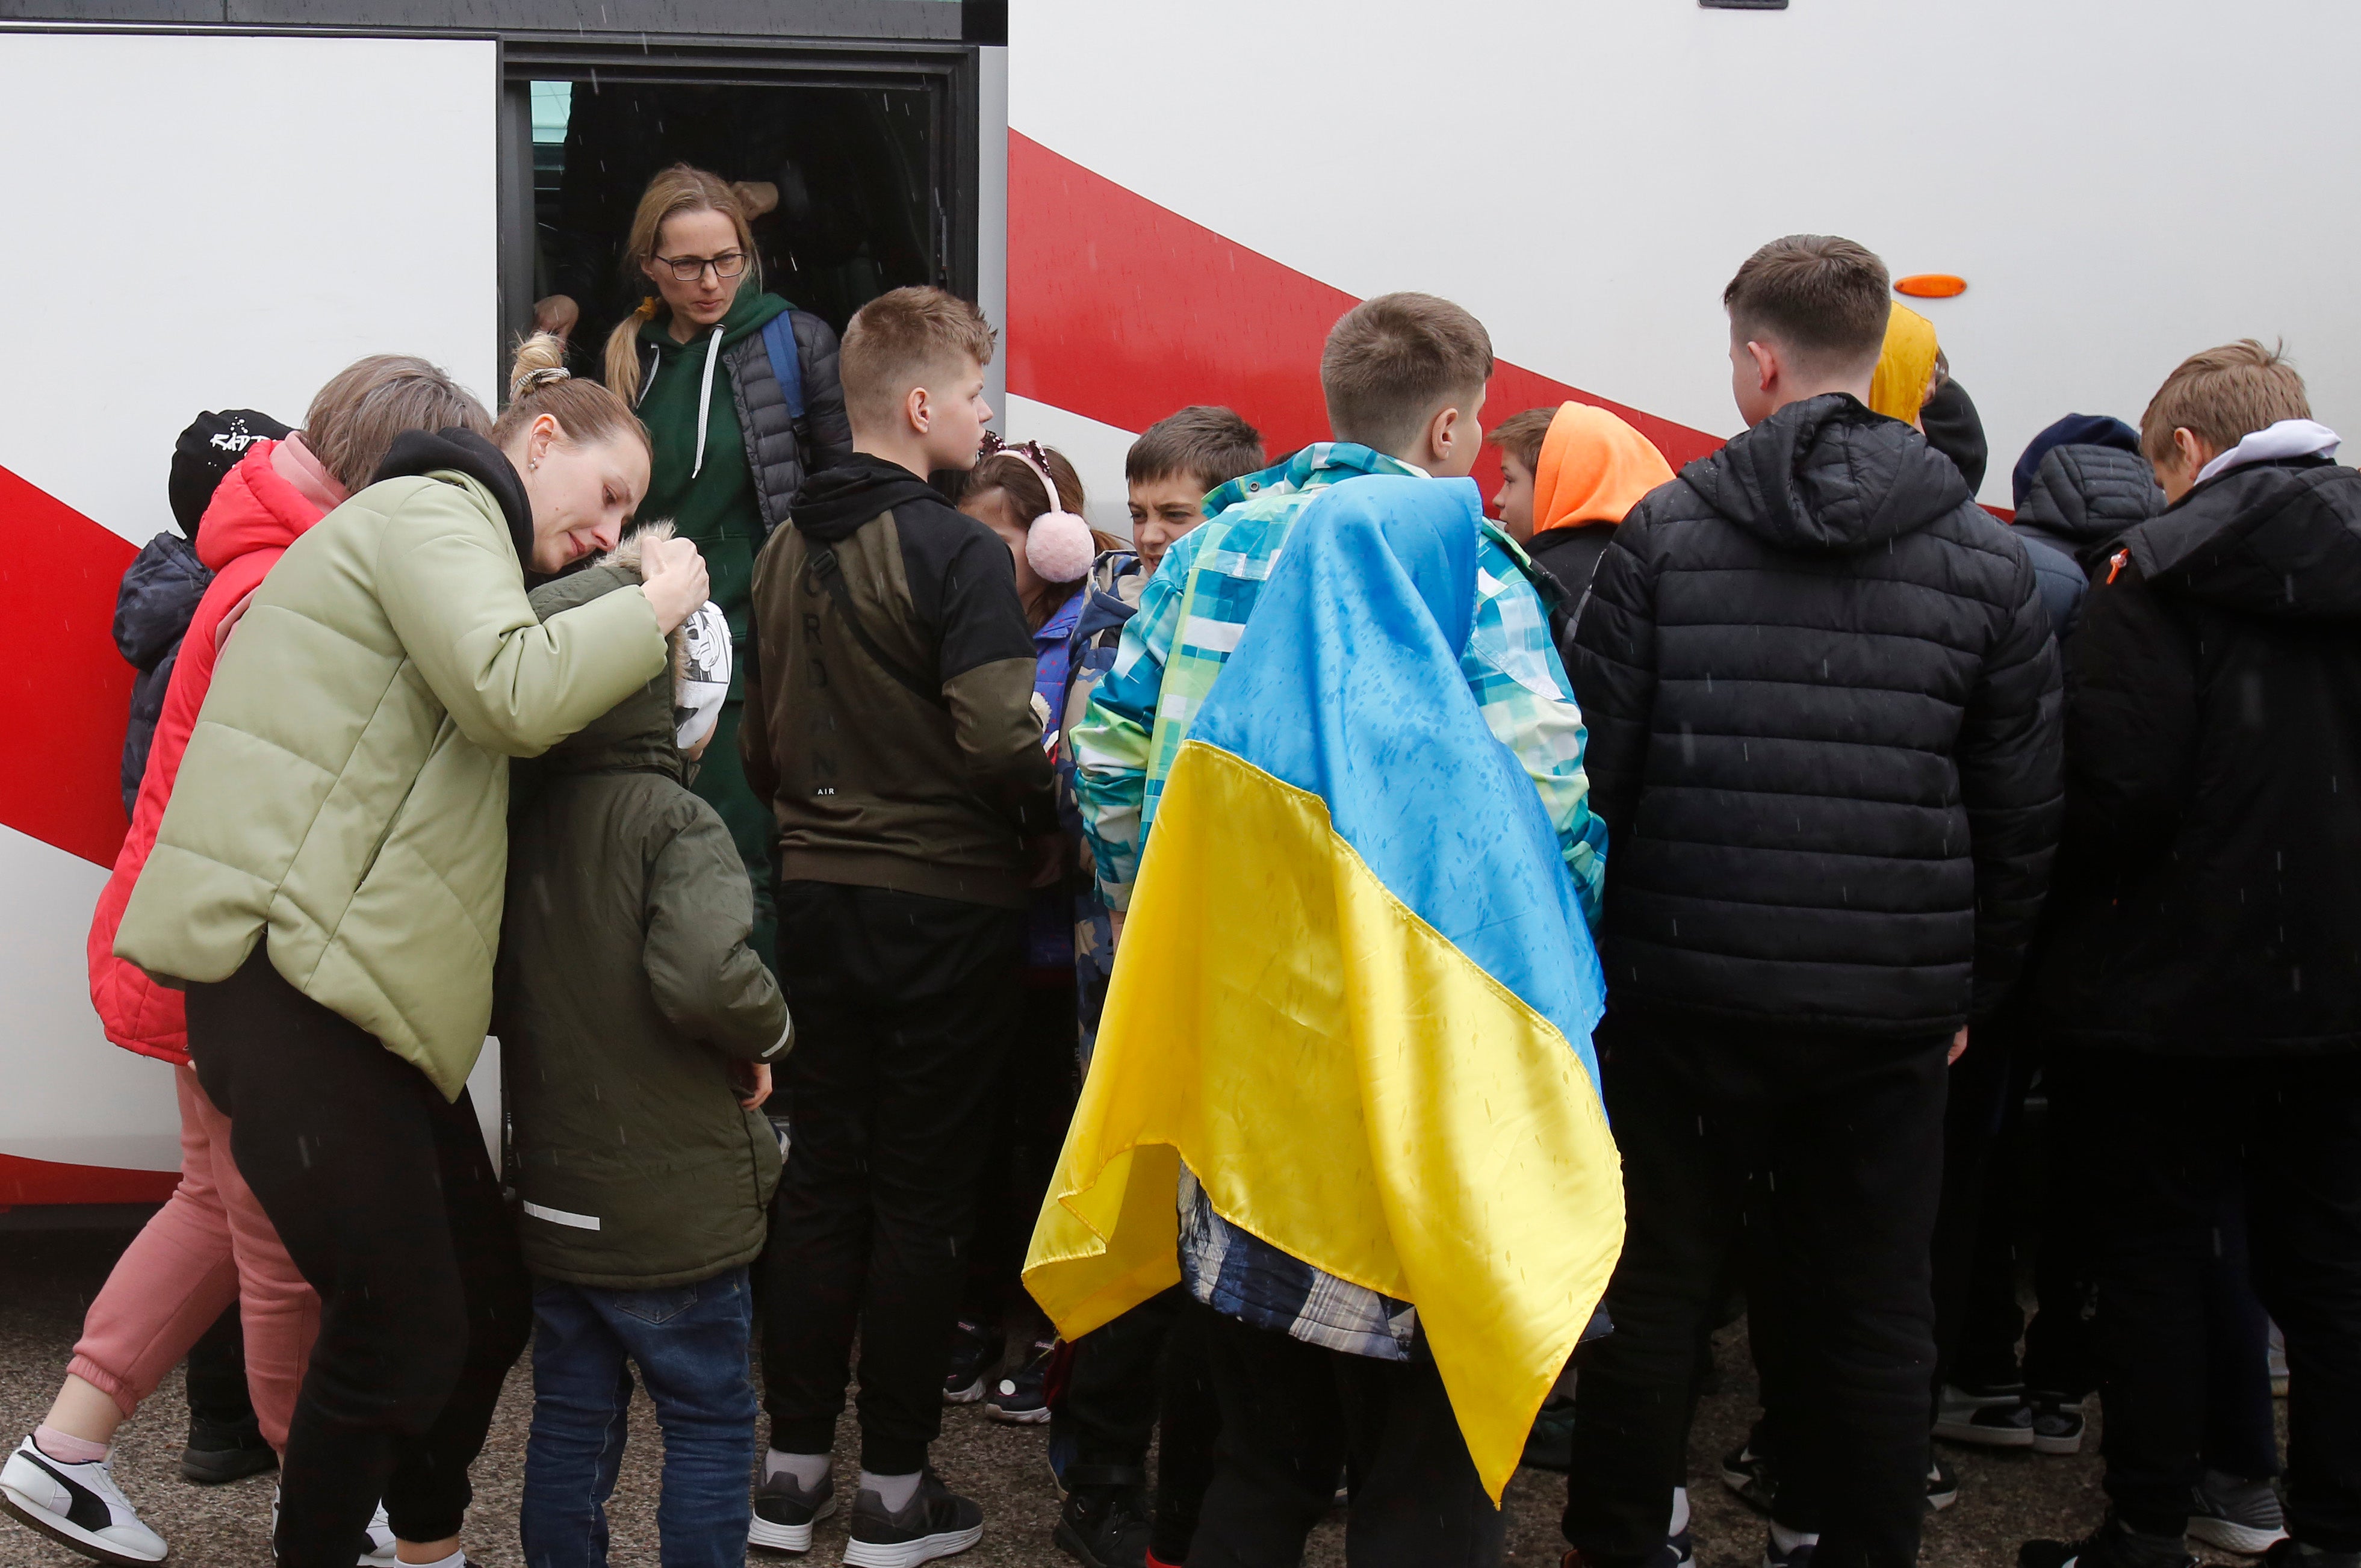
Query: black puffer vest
781, 450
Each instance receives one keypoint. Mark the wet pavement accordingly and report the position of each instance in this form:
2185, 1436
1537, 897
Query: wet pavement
47, 1280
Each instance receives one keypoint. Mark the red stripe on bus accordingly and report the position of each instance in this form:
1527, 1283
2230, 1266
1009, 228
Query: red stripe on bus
1123, 311
42, 1182
65, 691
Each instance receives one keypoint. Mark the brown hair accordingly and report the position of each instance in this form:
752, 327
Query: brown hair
2222, 395
1821, 297
354, 418
1014, 477
898, 339
1205, 443
1393, 362
680, 189
587, 412
1520, 436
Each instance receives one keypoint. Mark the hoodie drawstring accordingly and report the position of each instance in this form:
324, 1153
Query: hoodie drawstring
705, 399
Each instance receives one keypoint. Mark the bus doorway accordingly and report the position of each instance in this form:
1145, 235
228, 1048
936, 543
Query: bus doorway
850, 190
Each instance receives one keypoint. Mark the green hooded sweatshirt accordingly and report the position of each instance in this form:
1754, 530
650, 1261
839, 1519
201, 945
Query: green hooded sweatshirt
709, 497
626, 993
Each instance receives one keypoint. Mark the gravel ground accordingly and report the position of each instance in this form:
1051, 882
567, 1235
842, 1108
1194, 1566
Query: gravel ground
50, 1276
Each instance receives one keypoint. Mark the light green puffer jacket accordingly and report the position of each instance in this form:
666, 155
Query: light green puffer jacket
346, 789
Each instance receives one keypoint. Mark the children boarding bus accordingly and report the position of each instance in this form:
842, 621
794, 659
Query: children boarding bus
219, 213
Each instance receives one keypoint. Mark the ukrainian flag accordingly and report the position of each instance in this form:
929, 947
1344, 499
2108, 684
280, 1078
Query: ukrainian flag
1355, 990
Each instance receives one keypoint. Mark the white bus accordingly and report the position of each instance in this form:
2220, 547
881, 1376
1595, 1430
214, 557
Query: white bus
216, 204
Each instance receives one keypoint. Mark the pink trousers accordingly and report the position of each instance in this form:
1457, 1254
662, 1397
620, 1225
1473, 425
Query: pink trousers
208, 1247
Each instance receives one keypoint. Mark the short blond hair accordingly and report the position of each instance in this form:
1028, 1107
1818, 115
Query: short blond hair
354, 418
2222, 396
902, 339
1393, 362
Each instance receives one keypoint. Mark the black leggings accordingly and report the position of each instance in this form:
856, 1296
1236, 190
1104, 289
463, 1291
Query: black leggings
390, 1206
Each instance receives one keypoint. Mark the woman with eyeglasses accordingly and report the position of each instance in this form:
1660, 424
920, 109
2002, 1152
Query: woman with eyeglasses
739, 392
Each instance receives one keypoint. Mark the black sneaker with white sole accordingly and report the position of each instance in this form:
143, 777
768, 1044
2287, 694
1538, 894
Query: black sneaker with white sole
1021, 1398
1942, 1486
975, 1351
2244, 1517
77, 1506
1749, 1475
2057, 1424
936, 1522
2109, 1546
1996, 1418
785, 1513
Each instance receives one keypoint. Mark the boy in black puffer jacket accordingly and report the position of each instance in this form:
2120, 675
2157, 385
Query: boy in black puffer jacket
1823, 704
2204, 970
639, 1029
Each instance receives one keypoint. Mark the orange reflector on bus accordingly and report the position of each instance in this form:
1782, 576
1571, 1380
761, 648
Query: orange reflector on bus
1930, 285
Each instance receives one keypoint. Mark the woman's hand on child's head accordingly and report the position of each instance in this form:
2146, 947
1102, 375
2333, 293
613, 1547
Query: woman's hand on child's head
754, 1082
674, 576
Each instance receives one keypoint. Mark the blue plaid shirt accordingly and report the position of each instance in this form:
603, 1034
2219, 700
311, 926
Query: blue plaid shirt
1190, 617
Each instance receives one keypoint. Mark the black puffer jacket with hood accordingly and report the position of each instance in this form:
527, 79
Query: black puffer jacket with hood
2207, 905
152, 610
2080, 499
1823, 704
626, 990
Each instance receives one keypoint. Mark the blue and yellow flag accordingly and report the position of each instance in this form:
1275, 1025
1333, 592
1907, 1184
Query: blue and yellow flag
1355, 990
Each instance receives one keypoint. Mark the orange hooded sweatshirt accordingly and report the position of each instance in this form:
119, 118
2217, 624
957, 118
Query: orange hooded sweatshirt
1594, 467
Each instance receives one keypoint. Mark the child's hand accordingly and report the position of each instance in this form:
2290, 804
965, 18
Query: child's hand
754, 1082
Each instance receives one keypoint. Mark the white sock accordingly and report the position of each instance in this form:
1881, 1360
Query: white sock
1680, 1512
893, 1491
809, 1469
1788, 1539
457, 1560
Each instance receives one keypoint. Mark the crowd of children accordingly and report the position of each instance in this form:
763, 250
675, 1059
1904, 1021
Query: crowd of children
1870, 810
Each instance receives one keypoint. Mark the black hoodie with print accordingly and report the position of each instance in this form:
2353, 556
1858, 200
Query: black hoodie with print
889, 716
1824, 714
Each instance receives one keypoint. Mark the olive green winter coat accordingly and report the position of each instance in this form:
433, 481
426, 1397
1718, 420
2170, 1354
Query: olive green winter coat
627, 991
346, 788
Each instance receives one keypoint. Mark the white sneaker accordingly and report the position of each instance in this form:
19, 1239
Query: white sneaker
376, 1546
77, 1506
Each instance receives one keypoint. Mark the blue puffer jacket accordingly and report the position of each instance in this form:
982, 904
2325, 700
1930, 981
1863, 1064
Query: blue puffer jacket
152, 609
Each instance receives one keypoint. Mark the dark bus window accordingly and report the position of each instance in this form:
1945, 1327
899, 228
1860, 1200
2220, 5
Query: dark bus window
845, 170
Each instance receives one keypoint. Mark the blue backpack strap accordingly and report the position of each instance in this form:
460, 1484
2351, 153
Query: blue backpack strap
787, 363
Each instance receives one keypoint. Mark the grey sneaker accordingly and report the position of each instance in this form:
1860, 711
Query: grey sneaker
934, 1522
2238, 1515
785, 1513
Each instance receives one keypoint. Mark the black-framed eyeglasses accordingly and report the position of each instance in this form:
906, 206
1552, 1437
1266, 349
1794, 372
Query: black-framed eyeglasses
689, 268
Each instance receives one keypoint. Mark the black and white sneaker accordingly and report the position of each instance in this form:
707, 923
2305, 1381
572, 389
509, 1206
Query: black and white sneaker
2238, 1515
1022, 1398
1750, 1475
934, 1522
77, 1506
974, 1351
1997, 1419
785, 1513
1942, 1486
2057, 1424
2109, 1546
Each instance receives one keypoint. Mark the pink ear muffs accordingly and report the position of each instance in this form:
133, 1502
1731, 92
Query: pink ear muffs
1058, 546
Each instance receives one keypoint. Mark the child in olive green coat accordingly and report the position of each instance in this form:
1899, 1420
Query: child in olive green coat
638, 1029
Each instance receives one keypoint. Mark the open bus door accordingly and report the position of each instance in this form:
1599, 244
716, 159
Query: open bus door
221, 202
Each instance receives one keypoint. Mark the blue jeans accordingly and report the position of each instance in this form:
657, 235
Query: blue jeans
690, 1342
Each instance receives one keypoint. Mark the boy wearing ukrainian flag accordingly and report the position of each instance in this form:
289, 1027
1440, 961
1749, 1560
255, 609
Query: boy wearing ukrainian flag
1345, 1073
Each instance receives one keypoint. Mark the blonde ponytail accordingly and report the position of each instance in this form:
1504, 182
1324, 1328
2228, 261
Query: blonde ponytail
540, 384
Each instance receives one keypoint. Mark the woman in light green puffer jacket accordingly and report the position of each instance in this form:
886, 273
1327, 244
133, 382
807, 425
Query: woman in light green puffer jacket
327, 885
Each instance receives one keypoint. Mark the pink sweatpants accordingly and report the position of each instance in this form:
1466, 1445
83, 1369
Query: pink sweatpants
208, 1247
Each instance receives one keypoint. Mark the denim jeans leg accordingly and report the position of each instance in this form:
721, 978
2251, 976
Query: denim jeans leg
581, 1400
691, 1345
